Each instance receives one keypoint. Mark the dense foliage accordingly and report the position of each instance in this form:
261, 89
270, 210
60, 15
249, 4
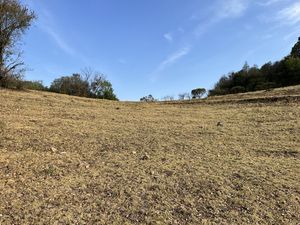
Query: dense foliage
271, 75
148, 98
198, 93
96, 87
34, 85
15, 19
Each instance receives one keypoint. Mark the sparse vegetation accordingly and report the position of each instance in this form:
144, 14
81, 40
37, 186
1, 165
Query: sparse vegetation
168, 98
224, 160
231, 159
184, 96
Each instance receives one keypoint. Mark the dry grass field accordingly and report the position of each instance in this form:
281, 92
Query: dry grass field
225, 160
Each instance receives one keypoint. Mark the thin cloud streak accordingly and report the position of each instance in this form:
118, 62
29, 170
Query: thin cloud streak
170, 60
231, 9
168, 37
222, 11
269, 2
173, 58
290, 15
58, 40
45, 23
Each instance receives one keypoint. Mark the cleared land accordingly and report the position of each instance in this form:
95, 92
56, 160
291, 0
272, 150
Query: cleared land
226, 160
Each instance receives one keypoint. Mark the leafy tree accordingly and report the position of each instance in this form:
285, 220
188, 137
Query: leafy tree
296, 50
93, 85
15, 19
34, 85
198, 93
72, 85
246, 67
148, 98
102, 88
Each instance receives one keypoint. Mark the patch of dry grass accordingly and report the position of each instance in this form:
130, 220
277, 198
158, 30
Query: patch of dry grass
2, 126
72, 160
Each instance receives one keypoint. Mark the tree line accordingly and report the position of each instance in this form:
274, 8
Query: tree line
16, 18
285, 72
197, 93
87, 84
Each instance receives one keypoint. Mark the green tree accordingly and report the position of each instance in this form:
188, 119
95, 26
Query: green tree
34, 85
296, 50
148, 98
102, 88
282, 73
71, 85
15, 19
198, 93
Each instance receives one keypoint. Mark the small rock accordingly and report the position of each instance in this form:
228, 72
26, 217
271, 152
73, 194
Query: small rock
220, 124
145, 157
117, 108
53, 149
134, 152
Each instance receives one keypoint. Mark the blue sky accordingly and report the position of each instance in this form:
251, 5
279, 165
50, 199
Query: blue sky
158, 47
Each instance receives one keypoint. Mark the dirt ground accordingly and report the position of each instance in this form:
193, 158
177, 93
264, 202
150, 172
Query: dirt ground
69, 160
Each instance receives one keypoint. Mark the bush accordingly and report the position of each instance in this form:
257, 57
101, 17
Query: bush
93, 87
198, 93
148, 98
11, 81
34, 85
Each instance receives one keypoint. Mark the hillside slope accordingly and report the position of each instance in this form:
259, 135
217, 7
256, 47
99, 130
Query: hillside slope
69, 160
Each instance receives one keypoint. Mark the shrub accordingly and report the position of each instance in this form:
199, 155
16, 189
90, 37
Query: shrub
34, 85
198, 93
148, 98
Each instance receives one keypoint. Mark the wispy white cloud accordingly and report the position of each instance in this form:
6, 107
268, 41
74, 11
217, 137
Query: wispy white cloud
290, 15
46, 23
170, 60
231, 9
222, 10
294, 34
268, 2
58, 40
168, 37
